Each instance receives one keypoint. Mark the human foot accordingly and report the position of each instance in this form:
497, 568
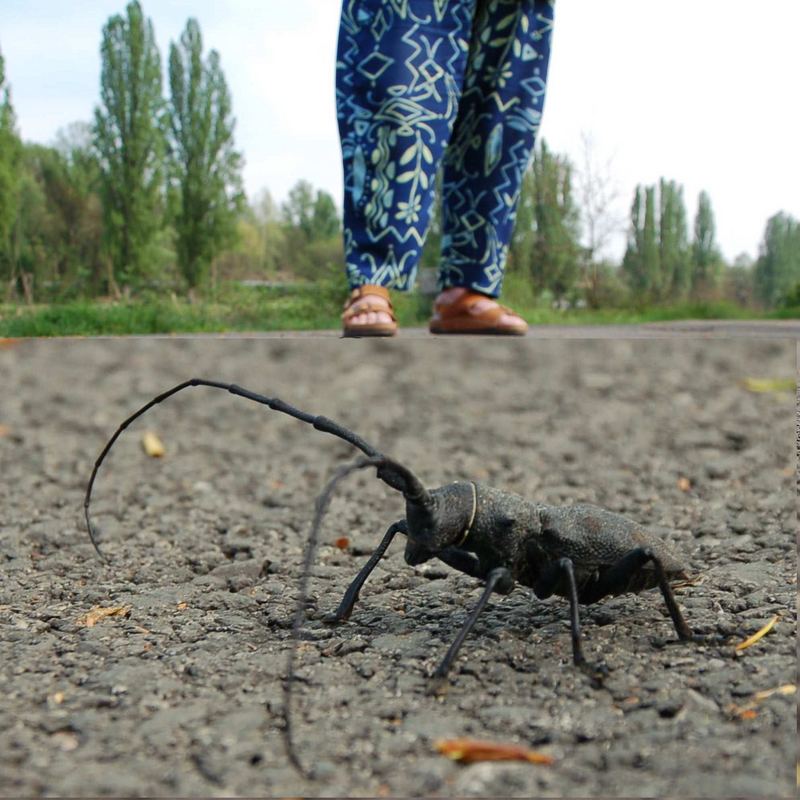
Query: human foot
368, 312
458, 310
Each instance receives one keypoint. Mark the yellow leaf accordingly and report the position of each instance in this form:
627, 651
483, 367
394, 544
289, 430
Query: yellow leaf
757, 635
152, 445
762, 385
787, 688
470, 750
91, 618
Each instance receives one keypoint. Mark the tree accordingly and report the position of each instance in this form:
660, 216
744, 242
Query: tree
298, 209
205, 168
777, 269
325, 218
650, 245
633, 261
656, 261
314, 215
129, 140
545, 242
674, 254
10, 157
707, 262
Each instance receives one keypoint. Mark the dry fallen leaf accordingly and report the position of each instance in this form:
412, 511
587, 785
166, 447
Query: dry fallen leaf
182, 606
470, 750
91, 618
4, 430
763, 385
748, 711
757, 635
684, 484
7, 343
152, 445
787, 688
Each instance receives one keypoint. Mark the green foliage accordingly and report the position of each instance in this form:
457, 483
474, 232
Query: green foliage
312, 233
204, 167
707, 264
777, 270
674, 253
312, 306
545, 242
10, 156
315, 216
650, 245
60, 232
129, 139
657, 263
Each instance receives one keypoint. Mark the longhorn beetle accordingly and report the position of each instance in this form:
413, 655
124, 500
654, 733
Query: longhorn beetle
580, 552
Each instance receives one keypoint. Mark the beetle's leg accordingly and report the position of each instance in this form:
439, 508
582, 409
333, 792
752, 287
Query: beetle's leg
546, 584
351, 595
497, 580
618, 576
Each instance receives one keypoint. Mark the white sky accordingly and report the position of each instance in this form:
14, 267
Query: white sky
701, 91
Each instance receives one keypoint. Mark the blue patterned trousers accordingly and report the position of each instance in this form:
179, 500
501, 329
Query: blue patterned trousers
424, 84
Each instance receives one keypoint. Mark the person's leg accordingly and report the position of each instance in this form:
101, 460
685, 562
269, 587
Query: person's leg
400, 68
492, 143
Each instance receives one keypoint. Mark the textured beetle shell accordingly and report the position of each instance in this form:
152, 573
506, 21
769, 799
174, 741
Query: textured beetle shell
513, 532
595, 539
502, 524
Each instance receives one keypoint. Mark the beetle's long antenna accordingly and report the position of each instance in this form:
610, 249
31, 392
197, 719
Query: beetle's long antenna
302, 596
320, 423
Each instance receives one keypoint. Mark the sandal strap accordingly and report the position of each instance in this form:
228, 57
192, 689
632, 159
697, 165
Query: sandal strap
462, 306
359, 303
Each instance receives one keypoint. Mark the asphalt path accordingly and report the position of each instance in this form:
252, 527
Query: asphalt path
179, 693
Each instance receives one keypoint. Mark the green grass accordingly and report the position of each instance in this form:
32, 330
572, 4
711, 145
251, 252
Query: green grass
303, 307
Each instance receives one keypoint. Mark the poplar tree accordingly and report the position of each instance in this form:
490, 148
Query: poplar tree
546, 236
205, 168
674, 253
651, 266
656, 262
10, 165
129, 141
633, 261
706, 257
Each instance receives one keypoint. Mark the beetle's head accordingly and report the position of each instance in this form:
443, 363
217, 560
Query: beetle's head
443, 522
436, 519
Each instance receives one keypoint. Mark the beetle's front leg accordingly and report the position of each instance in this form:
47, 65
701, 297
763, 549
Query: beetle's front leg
497, 580
351, 595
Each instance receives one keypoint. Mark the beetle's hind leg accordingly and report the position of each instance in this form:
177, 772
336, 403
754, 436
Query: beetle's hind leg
617, 577
350, 598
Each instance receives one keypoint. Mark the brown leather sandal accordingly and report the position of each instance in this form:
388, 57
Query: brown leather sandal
359, 303
458, 318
